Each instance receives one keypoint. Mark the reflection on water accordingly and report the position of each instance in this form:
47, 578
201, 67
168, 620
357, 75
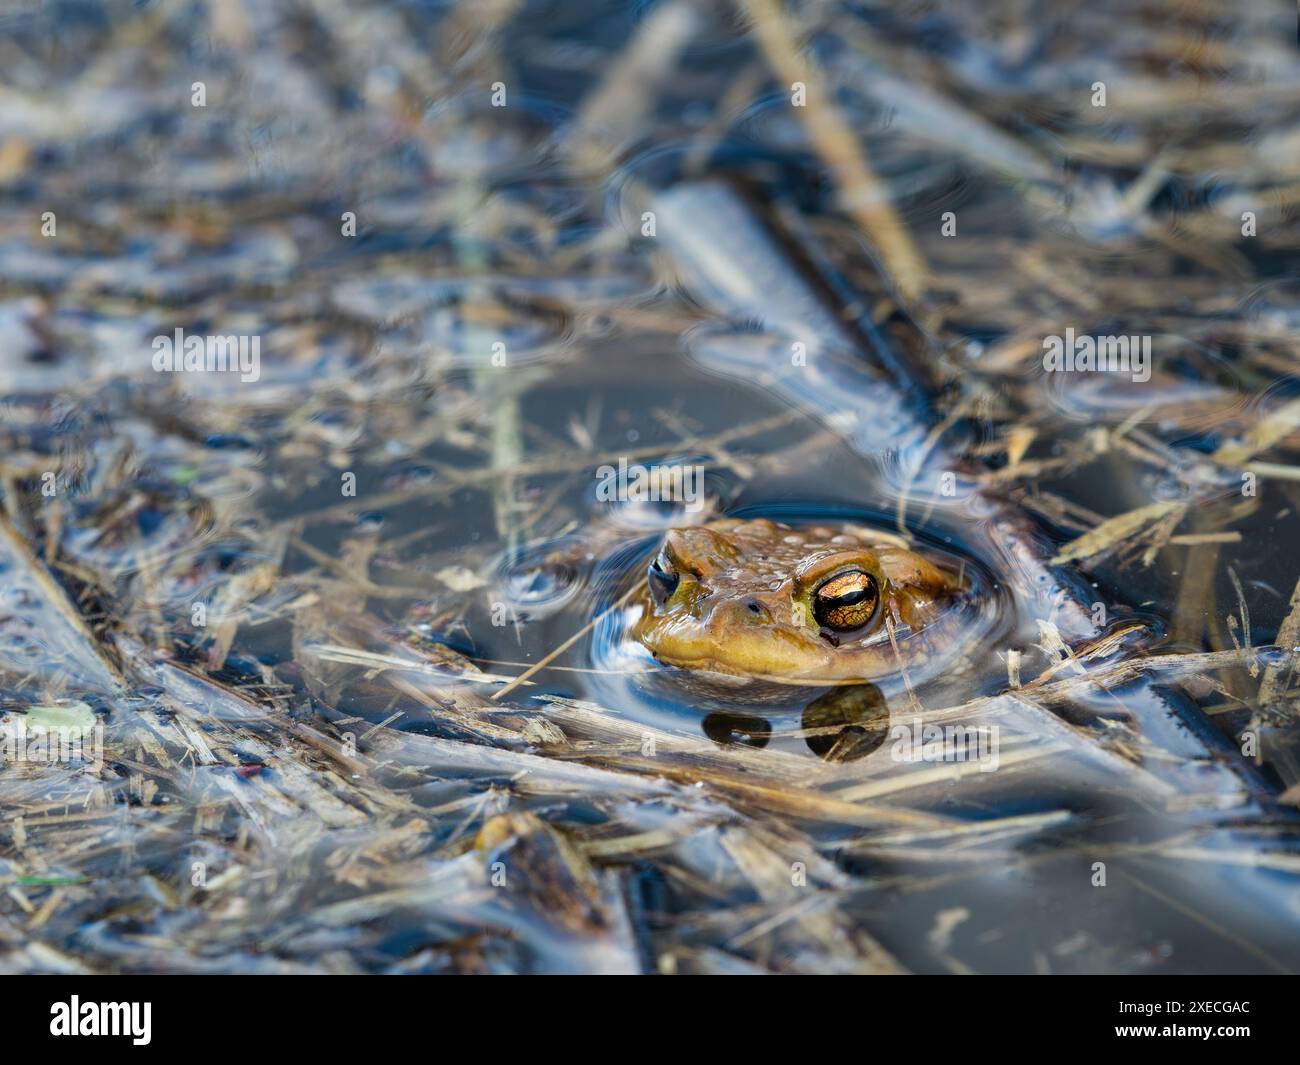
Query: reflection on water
846, 723
724, 728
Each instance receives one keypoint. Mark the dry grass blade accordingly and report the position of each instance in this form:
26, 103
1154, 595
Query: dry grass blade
1113, 532
864, 197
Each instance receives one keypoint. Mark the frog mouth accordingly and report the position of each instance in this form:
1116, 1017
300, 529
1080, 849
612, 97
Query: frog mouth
755, 660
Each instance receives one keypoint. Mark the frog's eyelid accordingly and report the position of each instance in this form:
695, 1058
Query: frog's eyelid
680, 571
865, 588
818, 583
811, 575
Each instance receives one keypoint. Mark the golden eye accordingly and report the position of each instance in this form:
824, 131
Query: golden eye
847, 601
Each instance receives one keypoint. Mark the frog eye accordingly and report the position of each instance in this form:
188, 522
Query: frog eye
847, 601
662, 577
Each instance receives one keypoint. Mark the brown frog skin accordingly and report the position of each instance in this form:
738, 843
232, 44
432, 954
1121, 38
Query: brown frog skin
807, 605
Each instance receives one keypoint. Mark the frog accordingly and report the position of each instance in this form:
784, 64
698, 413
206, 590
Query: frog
816, 605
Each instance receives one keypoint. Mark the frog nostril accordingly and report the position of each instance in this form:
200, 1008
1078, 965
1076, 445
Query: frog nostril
758, 612
755, 608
